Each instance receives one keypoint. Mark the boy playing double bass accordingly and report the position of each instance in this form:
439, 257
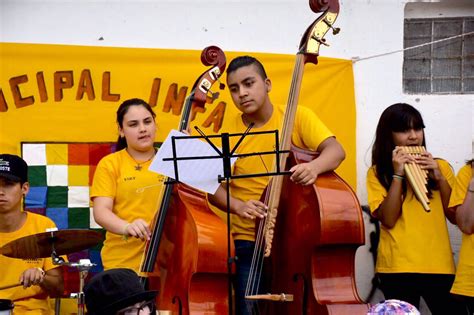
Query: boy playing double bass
249, 88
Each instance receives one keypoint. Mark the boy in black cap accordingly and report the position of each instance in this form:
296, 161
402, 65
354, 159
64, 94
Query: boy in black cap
39, 277
116, 292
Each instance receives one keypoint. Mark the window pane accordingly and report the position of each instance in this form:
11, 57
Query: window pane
443, 29
416, 68
468, 67
416, 28
468, 85
421, 52
447, 68
469, 44
446, 85
417, 86
469, 25
447, 49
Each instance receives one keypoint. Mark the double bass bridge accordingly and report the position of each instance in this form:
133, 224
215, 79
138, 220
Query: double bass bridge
282, 297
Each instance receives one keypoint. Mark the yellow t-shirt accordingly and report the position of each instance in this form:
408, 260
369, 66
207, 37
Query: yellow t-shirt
419, 241
464, 281
308, 132
136, 195
32, 300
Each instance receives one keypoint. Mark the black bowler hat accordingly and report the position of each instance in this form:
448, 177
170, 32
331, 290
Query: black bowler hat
114, 289
13, 167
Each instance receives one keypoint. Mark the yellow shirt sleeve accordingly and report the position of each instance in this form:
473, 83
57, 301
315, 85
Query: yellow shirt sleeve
460, 186
104, 183
376, 193
463, 283
310, 131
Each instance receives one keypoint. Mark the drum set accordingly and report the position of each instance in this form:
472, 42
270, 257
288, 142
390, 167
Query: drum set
54, 244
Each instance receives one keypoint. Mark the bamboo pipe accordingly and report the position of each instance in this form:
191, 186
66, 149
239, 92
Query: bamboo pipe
416, 177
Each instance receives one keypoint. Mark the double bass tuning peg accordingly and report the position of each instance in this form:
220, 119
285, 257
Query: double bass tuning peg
221, 85
215, 95
322, 41
335, 30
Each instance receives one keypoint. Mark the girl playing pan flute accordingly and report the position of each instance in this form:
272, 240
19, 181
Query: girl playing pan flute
414, 256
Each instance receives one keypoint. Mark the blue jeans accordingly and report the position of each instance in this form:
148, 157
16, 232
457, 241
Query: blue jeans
244, 253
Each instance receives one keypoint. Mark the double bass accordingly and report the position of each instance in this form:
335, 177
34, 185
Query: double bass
306, 244
185, 259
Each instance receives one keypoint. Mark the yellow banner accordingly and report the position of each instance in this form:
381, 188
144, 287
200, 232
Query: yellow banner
55, 93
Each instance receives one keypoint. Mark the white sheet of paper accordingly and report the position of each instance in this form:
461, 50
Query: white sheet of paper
201, 173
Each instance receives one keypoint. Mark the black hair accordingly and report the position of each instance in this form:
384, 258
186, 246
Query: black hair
243, 61
122, 110
395, 118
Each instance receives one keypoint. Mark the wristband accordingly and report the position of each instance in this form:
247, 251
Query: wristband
398, 176
125, 233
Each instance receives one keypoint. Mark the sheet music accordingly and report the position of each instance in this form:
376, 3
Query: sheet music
201, 173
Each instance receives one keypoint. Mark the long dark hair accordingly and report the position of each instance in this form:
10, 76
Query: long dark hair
395, 118
122, 110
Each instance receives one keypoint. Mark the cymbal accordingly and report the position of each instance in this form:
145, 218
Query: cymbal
42, 245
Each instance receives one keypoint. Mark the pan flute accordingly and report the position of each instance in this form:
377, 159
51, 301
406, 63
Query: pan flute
417, 177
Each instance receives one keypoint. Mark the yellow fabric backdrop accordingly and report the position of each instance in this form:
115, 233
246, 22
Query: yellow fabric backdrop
328, 89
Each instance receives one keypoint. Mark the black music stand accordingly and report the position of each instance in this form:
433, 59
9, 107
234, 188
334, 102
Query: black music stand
226, 154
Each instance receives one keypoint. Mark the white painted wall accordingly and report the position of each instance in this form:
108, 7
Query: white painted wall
369, 27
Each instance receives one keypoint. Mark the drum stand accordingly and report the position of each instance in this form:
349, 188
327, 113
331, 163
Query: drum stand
84, 265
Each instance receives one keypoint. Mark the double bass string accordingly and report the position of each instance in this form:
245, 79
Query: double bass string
263, 238
153, 240
256, 267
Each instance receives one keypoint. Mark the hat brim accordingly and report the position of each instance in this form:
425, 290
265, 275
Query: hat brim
123, 303
10, 177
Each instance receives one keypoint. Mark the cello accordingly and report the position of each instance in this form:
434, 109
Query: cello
186, 258
322, 222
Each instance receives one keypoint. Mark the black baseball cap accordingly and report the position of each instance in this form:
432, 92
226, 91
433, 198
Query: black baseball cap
13, 167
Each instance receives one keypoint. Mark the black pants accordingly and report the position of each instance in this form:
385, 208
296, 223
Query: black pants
466, 300
469, 300
434, 288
